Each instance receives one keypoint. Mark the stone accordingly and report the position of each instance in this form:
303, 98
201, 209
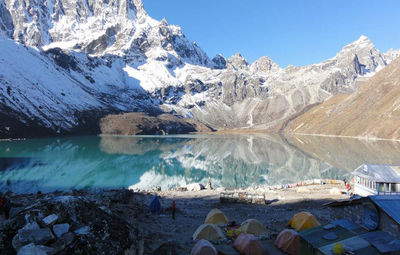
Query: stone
195, 187
82, 231
50, 220
31, 249
60, 229
156, 188
37, 236
63, 242
182, 189
14, 211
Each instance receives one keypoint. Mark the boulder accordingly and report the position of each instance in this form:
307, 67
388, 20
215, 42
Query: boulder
50, 220
37, 236
63, 242
156, 188
60, 229
31, 249
82, 231
195, 187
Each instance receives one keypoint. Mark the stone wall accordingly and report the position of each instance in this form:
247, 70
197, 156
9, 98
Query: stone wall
355, 213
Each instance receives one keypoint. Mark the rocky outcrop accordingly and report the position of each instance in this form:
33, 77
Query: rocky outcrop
142, 124
86, 223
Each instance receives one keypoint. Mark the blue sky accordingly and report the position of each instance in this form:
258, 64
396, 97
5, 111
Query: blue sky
297, 32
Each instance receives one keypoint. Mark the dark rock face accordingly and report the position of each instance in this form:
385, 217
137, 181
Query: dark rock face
142, 124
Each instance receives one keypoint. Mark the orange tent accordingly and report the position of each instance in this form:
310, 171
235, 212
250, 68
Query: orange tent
247, 244
303, 221
288, 241
203, 247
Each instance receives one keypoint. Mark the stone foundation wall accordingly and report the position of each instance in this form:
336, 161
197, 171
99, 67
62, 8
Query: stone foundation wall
355, 213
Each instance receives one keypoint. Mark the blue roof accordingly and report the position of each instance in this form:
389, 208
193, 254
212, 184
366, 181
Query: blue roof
389, 204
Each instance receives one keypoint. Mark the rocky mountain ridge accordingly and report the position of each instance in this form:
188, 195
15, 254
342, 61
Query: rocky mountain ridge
372, 111
65, 64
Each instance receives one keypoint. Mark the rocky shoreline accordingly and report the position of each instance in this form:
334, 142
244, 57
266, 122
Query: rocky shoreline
118, 221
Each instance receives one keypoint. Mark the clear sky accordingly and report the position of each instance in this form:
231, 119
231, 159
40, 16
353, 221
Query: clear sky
297, 32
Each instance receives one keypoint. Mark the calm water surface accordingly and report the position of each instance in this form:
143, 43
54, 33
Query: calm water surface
169, 161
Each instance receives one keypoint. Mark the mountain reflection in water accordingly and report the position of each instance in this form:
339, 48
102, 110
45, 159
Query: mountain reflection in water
168, 161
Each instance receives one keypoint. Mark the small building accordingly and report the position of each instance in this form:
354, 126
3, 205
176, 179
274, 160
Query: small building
376, 180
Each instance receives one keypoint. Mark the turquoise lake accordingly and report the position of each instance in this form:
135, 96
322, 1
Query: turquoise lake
141, 162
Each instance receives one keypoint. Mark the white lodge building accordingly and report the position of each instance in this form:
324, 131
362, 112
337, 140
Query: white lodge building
376, 180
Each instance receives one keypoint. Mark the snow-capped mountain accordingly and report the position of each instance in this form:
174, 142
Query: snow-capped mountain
64, 64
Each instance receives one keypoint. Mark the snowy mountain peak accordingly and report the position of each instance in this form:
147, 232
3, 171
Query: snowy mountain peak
264, 65
364, 51
238, 62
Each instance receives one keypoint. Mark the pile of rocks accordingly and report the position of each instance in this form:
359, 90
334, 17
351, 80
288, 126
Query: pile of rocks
70, 223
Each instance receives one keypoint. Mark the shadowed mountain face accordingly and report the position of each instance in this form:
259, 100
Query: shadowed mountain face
169, 161
66, 64
372, 111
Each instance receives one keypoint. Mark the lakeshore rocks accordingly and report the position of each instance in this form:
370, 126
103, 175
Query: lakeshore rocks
83, 227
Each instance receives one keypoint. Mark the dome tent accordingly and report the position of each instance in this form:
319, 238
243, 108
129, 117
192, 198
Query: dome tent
216, 216
208, 232
203, 247
288, 240
247, 244
252, 226
303, 221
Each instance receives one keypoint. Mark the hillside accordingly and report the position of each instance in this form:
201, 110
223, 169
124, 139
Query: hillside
372, 111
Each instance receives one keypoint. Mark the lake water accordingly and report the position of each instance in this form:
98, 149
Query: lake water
169, 161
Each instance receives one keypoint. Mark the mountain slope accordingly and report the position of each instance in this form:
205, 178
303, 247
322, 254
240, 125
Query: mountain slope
66, 64
372, 111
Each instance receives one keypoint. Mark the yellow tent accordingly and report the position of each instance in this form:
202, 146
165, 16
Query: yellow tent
203, 247
288, 240
208, 232
252, 226
215, 216
303, 221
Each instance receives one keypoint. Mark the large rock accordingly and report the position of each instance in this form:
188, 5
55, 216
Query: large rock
50, 220
195, 187
37, 236
31, 249
60, 229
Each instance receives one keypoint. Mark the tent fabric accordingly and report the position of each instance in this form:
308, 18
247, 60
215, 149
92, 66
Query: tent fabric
216, 216
203, 247
155, 206
247, 244
252, 226
303, 221
208, 232
288, 240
